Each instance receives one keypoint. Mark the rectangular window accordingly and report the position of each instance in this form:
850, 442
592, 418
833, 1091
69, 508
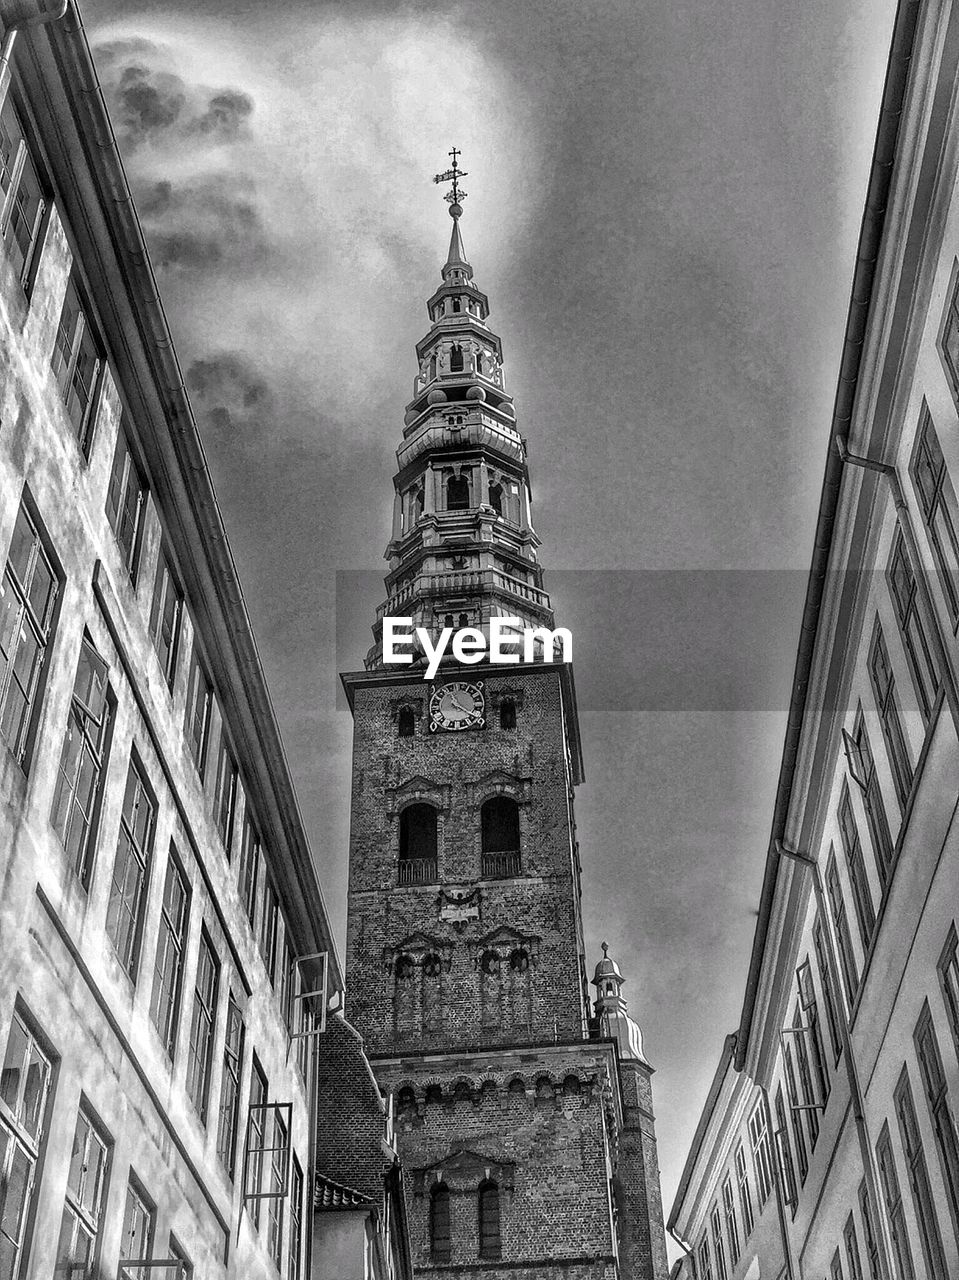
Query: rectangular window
198, 707
705, 1262
837, 907
852, 847
229, 1118
745, 1195
762, 1155
829, 995
24, 1094
202, 1025
224, 796
268, 929
23, 196
76, 365
810, 1043
249, 867
949, 981
889, 1181
28, 594
76, 797
126, 501
295, 1268
937, 500
870, 1231
179, 1254
136, 1243
732, 1226
884, 689
83, 1208
719, 1249
795, 1115
787, 1170
131, 870
165, 616
285, 977
279, 1155
862, 766
256, 1138
171, 948
919, 1180
852, 1249
940, 1106
906, 601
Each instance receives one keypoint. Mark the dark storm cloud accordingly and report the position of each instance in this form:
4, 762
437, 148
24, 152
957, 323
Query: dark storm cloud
201, 223
149, 103
229, 395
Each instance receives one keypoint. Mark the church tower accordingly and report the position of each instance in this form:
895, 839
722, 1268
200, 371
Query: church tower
529, 1152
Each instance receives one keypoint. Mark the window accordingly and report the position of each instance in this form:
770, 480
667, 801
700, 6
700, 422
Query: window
787, 1169
829, 996
884, 688
949, 981
919, 1180
198, 704
24, 1092
507, 714
268, 928
256, 1138
811, 1045
83, 1209
407, 722
795, 1115
136, 1243
937, 499
76, 364
28, 594
496, 498
22, 194
168, 968
165, 615
949, 337
490, 1245
889, 1182
125, 502
852, 1249
940, 1108
456, 358
871, 1234
440, 1223
224, 795
178, 1254
285, 976
76, 796
418, 844
745, 1195
905, 598
732, 1227
705, 1262
762, 1156
249, 867
837, 906
279, 1155
852, 847
719, 1248
862, 766
200, 1059
499, 820
131, 871
229, 1119
295, 1268
457, 493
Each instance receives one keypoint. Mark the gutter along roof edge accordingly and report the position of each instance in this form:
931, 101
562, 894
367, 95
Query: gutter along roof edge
867, 255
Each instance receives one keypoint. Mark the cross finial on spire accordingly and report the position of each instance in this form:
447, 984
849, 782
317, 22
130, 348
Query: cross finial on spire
454, 196
605, 946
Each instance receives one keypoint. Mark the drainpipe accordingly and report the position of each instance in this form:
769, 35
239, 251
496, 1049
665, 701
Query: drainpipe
686, 1249
943, 659
10, 37
852, 1071
777, 1183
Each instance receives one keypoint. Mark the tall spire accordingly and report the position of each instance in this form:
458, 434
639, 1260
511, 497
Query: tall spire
456, 265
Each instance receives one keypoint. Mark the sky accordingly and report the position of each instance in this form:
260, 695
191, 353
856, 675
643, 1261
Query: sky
664, 202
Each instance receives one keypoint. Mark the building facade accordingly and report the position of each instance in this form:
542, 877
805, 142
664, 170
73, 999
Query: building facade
523, 1116
164, 949
844, 1071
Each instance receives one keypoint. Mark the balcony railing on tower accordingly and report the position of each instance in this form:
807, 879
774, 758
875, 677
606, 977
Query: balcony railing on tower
501, 866
417, 871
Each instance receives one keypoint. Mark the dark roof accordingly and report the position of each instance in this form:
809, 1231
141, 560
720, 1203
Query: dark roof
729, 1044
867, 257
328, 1194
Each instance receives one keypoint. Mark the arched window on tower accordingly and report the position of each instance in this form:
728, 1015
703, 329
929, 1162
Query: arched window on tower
407, 722
432, 368
499, 818
490, 1244
491, 990
417, 844
440, 1223
416, 505
496, 498
456, 358
507, 714
457, 306
479, 362
405, 1016
457, 493
432, 994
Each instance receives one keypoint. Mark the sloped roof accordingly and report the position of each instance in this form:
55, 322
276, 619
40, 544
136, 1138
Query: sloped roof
328, 1194
351, 1116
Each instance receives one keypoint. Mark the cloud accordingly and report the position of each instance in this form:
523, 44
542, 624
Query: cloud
203, 222
228, 394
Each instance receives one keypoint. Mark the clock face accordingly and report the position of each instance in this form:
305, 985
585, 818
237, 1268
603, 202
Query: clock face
457, 705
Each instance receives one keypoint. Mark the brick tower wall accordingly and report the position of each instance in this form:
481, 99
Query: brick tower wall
642, 1235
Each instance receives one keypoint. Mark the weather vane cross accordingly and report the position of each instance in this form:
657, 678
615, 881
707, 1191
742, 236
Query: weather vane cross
454, 196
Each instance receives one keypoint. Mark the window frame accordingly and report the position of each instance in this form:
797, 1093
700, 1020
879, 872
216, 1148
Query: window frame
907, 606
65, 362
930, 1236
86, 1219
129, 955
938, 505
27, 1132
228, 1117
203, 1020
882, 678
178, 937
125, 469
26, 150
166, 586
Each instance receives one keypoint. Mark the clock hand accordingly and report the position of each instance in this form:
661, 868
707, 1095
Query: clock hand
456, 703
